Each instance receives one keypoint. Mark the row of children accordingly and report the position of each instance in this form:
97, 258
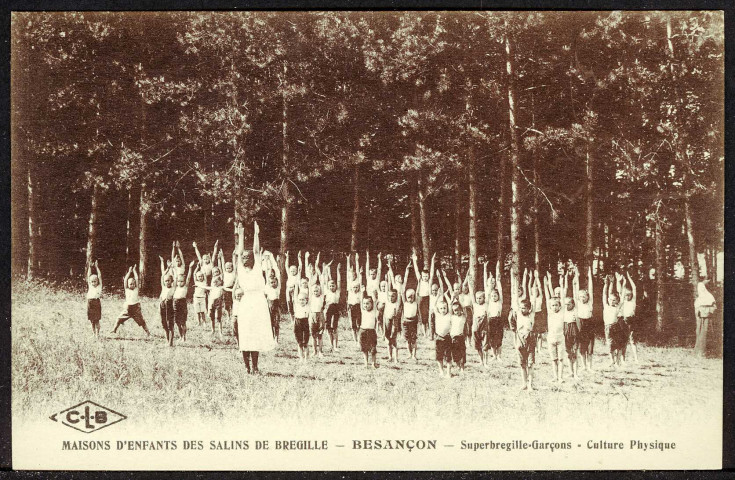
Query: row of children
453, 317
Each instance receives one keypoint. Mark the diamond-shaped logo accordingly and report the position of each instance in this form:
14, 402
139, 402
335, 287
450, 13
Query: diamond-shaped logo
88, 417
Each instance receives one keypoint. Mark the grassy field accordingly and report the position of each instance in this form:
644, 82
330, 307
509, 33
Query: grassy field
57, 362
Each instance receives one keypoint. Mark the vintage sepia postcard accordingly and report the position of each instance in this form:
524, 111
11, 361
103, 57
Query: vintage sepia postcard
365, 240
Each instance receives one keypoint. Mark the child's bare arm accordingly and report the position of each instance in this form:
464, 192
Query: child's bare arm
632, 287
188, 274
590, 285
135, 275
196, 250
99, 275
181, 255
214, 251
414, 259
432, 268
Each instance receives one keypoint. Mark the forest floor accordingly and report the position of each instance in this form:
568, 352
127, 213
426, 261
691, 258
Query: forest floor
56, 363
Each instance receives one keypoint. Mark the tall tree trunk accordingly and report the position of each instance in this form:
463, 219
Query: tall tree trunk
425, 237
514, 158
502, 210
659, 247
143, 239
129, 230
457, 227
536, 216
92, 231
31, 271
355, 207
285, 218
589, 250
472, 180
693, 261
415, 227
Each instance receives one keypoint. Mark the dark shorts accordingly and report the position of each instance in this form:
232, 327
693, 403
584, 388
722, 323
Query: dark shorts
289, 301
480, 334
332, 317
410, 329
468, 323
274, 306
368, 340
459, 351
571, 338
633, 327
526, 346
301, 331
215, 310
355, 315
586, 337
316, 324
94, 310
134, 312
540, 322
180, 311
227, 300
392, 329
424, 309
443, 348
494, 333
616, 335
166, 309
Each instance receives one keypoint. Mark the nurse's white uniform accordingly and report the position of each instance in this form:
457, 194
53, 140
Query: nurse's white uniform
254, 330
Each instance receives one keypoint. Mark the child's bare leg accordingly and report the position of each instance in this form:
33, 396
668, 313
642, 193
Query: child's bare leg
375, 364
529, 375
365, 357
440, 364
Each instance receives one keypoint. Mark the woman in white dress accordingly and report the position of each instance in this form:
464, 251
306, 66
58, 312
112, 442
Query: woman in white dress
254, 334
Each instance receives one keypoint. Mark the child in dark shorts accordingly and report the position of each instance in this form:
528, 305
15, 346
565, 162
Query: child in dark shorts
368, 336
132, 302
94, 292
166, 304
180, 306
301, 324
443, 325
584, 302
457, 329
522, 326
392, 323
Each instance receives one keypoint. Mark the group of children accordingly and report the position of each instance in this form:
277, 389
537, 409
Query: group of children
379, 304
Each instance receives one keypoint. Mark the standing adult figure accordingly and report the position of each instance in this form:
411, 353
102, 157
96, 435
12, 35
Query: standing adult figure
704, 308
254, 331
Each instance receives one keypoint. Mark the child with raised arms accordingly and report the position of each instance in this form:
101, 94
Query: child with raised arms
615, 335
206, 263
166, 301
180, 307
465, 300
494, 298
200, 295
457, 332
301, 321
522, 326
555, 337
443, 325
571, 327
423, 290
316, 310
331, 306
273, 293
479, 321
354, 295
94, 294
368, 336
392, 319
629, 315
177, 260
410, 320
292, 280
584, 302
229, 277
132, 302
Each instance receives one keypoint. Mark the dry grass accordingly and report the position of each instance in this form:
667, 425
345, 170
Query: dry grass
57, 362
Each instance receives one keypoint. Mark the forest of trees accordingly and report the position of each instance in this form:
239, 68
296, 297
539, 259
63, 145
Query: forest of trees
532, 137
